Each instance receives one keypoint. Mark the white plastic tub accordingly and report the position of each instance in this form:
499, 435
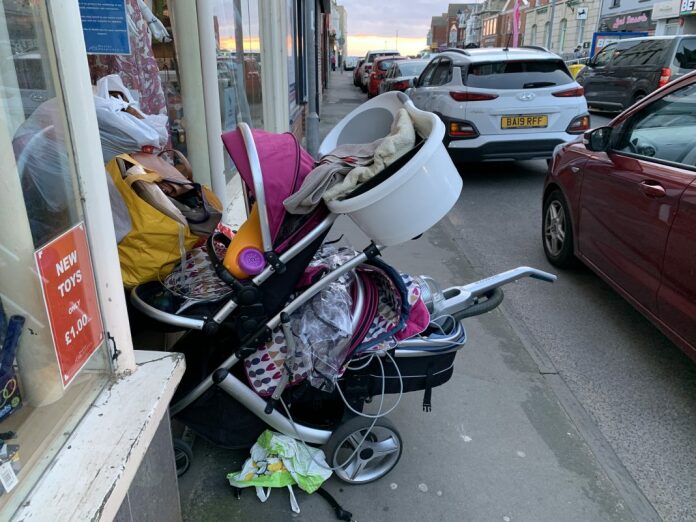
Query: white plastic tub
414, 198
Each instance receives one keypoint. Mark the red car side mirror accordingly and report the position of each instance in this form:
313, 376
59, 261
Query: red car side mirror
598, 140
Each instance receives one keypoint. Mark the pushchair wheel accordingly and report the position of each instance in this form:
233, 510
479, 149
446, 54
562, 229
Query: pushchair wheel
183, 456
377, 456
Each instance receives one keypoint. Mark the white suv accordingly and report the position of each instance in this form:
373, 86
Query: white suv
502, 104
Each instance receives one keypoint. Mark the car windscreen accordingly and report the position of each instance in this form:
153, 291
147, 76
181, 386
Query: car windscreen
517, 74
384, 64
412, 68
632, 53
685, 57
371, 57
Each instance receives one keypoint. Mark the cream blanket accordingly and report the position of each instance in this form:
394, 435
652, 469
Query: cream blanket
400, 140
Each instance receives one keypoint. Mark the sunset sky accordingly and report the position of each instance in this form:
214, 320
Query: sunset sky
373, 24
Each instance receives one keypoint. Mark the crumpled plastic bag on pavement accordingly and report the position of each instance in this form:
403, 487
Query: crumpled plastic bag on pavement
279, 461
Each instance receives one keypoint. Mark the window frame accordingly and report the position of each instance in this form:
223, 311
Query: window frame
624, 129
431, 66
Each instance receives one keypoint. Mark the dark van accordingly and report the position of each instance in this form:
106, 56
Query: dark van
626, 71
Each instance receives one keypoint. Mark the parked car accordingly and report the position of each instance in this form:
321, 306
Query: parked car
401, 74
349, 63
379, 69
628, 70
623, 201
227, 68
500, 104
357, 72
366, 67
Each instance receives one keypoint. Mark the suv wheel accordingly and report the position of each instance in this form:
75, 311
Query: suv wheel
557, 231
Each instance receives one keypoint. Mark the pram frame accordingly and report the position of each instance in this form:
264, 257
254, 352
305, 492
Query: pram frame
457, 300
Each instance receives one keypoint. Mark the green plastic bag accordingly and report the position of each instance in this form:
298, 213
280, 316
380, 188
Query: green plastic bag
280, 461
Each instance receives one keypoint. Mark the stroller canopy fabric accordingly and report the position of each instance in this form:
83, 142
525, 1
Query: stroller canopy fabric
284, 166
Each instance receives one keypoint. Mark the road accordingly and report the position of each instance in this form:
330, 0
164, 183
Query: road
630, 389
635, 386
566, 405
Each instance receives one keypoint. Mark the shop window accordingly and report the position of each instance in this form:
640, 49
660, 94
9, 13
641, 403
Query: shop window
581, 31
59, 364
239, 62
562, 35
292, 55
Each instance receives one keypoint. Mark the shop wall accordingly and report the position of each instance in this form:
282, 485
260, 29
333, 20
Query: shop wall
689, 25
154, 492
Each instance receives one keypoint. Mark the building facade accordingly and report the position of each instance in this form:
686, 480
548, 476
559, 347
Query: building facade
450, 29
574, 22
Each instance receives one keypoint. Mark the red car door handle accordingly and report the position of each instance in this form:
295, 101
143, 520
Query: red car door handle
652, 189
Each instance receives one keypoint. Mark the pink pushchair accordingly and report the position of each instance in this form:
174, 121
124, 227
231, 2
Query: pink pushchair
403, 335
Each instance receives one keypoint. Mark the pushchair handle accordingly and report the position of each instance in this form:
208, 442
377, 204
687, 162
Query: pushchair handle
259, 194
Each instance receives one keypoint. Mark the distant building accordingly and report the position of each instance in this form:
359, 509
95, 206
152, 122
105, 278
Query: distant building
450, 28
338, 28
491, 35
573, 25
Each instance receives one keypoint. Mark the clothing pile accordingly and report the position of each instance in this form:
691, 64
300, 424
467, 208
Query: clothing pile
348, 166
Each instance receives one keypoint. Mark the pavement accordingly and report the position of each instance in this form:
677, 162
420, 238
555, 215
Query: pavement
498, 444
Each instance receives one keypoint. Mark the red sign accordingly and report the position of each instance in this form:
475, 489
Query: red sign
70, 295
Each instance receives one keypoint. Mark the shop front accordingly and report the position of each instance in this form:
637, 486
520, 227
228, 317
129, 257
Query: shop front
666, 17
627, 16
84, 411
687, 11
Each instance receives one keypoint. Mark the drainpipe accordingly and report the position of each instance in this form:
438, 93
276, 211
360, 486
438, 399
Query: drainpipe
312, 118
553, 13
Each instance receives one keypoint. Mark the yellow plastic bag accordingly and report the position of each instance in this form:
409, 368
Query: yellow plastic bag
156, 242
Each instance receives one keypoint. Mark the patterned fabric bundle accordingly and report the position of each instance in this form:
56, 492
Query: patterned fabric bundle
393, 310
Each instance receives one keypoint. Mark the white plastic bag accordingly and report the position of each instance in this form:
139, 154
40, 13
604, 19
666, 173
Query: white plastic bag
122, 132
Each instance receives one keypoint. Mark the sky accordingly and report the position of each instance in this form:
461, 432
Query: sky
372, 24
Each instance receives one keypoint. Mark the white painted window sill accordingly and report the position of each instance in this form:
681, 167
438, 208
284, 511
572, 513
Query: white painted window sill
90, 476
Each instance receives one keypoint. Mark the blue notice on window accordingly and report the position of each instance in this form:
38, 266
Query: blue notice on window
105, 26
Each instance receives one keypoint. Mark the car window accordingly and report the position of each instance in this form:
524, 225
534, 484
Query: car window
443, 72
411, 68
372, 56
604, 56
664, 130
642, 52
685, 57
518, 74
427, 75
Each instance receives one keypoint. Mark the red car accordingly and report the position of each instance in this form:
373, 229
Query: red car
357, 72
379, 70
623, 201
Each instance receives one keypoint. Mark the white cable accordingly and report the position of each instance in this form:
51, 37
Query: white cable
401, 392
374, 417
369, 358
